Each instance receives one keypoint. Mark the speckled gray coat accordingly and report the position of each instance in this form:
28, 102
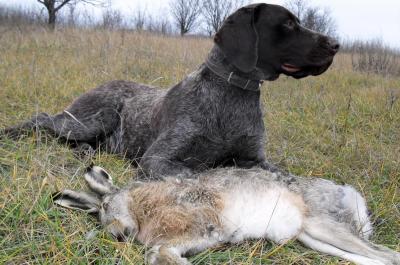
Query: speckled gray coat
204, 121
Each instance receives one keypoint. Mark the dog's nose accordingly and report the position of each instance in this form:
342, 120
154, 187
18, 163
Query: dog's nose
333, 45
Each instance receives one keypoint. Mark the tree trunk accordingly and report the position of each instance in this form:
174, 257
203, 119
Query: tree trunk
52, 18
51, 11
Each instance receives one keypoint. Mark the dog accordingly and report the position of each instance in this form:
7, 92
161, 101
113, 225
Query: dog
211, 118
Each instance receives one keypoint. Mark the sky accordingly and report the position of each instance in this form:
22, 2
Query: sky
355, 19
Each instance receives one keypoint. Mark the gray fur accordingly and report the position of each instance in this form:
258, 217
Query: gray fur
203, 121
178, 218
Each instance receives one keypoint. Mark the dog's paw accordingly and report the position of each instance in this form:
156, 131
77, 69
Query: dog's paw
84, 150
269, 167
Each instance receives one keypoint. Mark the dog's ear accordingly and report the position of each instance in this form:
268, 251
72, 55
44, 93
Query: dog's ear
238, 38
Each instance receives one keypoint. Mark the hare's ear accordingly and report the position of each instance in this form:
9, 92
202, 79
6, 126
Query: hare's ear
77, 200
99, 180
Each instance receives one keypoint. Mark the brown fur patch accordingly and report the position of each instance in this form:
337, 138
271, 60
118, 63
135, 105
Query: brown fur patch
165, 210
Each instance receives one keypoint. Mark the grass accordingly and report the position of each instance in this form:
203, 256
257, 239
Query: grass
341, 125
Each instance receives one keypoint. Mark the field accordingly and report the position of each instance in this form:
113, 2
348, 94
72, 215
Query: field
342, 125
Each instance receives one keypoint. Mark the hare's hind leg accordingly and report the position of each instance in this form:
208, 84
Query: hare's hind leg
331, 237
326, 248
171, 252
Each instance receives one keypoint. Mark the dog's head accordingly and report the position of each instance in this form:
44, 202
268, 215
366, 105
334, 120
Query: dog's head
271, 39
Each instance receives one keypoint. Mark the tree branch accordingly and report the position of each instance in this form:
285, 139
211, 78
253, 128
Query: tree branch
61, 5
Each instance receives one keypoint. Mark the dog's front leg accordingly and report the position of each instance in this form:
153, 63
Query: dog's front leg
250, 152
163, 157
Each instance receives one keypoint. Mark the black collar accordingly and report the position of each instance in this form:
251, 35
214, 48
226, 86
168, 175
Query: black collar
232, 78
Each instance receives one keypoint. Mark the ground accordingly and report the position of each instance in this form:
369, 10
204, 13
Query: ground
342, 125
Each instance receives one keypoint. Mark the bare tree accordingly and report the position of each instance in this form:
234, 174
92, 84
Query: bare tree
185, 13
319, 20
216, 11
315, 18
139, 19
159, 25
164, 26
298, 7
71, 20
17, 16
111, 19
54, 6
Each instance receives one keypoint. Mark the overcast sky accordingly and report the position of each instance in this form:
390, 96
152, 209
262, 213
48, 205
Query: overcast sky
355, 18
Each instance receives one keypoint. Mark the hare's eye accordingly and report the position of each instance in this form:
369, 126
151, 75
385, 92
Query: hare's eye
105, 206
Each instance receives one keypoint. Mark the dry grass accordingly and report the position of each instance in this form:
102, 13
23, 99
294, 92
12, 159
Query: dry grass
374, 56
341, 125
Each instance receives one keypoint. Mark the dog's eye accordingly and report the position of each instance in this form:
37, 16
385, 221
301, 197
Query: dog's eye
290, 24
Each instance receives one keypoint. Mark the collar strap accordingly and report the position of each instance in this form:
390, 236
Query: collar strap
234, 79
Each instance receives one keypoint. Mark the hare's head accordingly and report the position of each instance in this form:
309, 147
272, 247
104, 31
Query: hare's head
110, 203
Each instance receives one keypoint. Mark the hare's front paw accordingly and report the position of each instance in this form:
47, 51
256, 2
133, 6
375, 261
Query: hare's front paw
161, 255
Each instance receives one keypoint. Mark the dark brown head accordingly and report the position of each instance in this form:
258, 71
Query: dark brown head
271, 39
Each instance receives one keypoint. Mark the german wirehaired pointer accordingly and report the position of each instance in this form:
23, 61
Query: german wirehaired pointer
211, 118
